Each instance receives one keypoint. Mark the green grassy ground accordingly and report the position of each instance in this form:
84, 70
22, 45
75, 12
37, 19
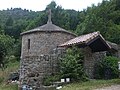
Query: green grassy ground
4, 76
90, 85
9, 87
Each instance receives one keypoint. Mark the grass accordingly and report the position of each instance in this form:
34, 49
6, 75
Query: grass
13, 66
9, 87
90, 85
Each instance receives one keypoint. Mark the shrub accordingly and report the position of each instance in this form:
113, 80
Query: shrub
71, 66
107, 68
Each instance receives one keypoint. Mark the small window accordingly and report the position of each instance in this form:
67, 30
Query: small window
28, 43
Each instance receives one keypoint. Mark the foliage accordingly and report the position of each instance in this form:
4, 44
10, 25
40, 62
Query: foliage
48, 80
107, 68
13, 21
17, 49
71, 65
1, 79
67, 19
6, 43
104, 18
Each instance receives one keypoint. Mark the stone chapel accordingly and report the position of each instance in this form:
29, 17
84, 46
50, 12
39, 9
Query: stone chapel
42, 47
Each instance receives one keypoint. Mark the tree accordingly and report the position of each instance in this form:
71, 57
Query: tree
6, 44
104, 18
17, 49
51, 6
9, 26
67, 19
1, 30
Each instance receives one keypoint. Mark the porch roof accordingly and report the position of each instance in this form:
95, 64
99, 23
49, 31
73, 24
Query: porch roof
94, 40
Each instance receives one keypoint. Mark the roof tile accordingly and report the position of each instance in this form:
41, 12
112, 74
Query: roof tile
82, 39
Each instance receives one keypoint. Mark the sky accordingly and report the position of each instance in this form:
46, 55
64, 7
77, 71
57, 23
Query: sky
39, 5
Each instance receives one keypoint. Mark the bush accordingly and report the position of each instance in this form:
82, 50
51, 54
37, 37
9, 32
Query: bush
107, 68
71, 66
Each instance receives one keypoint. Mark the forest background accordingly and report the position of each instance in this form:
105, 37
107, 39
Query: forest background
105, 17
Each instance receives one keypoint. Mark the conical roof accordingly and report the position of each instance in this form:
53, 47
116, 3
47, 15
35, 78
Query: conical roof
49, 27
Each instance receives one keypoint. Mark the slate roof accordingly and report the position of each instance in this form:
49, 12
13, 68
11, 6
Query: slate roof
94, 40
49, 27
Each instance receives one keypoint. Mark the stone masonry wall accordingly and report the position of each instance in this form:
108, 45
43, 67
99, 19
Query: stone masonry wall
90, 60
42, 58
35, 68
43, 42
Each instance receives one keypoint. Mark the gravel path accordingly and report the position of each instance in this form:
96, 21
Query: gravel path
112, 87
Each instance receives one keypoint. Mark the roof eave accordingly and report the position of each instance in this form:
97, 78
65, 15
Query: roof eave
47, 31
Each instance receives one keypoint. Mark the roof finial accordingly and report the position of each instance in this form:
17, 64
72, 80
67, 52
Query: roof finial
49, 16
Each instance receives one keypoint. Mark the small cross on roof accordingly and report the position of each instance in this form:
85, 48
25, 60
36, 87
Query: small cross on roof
49, 16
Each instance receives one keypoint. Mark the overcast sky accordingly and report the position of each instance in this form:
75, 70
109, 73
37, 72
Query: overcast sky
39, 5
